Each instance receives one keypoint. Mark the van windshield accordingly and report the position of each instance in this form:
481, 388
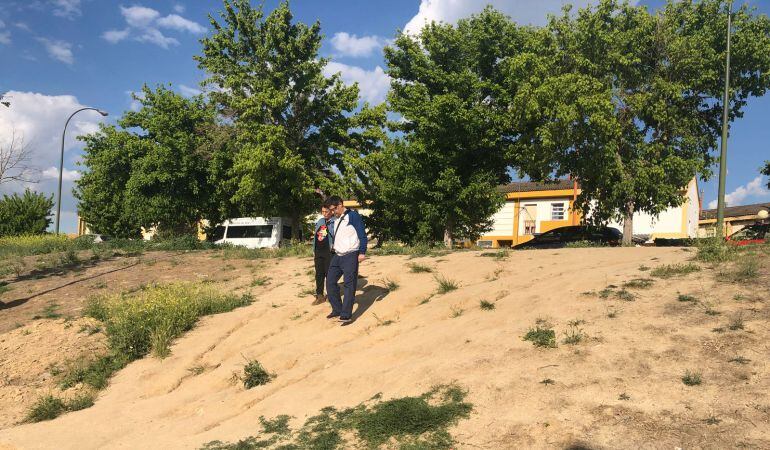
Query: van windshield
249, 231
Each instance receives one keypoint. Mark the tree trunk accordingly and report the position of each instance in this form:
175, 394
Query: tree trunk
448, 234
296, 229
628, 225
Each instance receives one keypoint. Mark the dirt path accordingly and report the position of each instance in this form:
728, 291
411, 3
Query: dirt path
620, 387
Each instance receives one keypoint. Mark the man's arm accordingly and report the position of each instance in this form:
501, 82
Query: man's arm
358, 224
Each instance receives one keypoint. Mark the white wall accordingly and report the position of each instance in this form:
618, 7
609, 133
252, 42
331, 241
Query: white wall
502, 221
543, 212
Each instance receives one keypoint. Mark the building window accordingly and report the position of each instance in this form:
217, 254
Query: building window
557, 211
529, 227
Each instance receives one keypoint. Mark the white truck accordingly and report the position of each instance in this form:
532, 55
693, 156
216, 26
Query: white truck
254, 232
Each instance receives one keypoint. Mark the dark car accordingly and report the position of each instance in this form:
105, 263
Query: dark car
560, 237
752, 234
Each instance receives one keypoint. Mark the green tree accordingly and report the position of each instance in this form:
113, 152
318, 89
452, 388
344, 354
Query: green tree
446, 85
292, 123
101, 190
630, 103
154, 171
29, 213
766, 171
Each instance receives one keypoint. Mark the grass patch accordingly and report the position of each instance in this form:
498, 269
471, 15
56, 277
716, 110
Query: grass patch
307, 292
486, 305
715, 250
745, 270
419, 268
390, 285
686, 298
157, 315
542, 335
643, 268
625, 295
50, 407
498, 255
624, 396
261, 281
255, 375
547, 382
639, 283
415, 251
383, 323
584, 244
737, 323
445, 285
692, 378
49, 312
407, 423
294, 249
573, 335
672, 270
456, 311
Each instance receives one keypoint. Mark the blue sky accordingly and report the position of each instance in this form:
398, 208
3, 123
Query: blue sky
58, 55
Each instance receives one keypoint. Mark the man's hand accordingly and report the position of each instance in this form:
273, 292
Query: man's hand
361, 258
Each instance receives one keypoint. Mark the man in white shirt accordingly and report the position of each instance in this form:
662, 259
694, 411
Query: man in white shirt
349, 245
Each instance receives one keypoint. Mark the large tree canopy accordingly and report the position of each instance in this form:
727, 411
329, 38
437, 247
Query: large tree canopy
454, 154
629, 102
153, 172
292, 122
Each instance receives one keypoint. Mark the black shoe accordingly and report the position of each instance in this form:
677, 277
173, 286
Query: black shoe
346, 320
332, 315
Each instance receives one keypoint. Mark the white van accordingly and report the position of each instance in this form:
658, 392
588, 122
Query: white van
253, 232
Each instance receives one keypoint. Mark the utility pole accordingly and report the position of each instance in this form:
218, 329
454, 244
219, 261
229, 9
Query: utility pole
725, 123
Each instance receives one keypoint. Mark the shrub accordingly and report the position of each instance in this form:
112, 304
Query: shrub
715, 250
686, 298
541, 336
50, 407
746, 269
255, 375
639, 283
487, 306
692, 378
390, 285
25, 214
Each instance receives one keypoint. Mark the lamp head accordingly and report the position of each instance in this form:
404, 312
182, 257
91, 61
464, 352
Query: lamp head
763, 214
102, 112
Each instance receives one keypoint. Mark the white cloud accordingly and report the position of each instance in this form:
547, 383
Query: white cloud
188, 91
5, 36
179, 8
134, 97
179, 23
139, 16
143, 25
754, 188
52, 173
66, 8
374, 84
154, 36
40, 118
22, 26
115, 36
58, 50
351, 45
534, 12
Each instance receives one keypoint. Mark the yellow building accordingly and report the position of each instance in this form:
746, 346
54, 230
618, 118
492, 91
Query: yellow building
532, 208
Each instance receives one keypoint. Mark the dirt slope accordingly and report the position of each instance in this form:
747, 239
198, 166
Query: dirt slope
641, 352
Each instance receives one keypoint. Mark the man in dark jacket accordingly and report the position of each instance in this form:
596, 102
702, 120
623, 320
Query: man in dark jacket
349, 250
322, 252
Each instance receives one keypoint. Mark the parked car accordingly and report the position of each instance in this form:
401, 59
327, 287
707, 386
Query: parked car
253, 232
752, 234
560, 237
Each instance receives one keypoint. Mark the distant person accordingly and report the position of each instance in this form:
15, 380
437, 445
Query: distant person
322, 252
349, 246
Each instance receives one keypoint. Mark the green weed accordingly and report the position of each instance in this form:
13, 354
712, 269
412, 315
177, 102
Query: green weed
419, 268
255, 375
639, 283
486, 305
686, 298
390, 285
672, 270
692, 378
541, 336
445, 285
261, 281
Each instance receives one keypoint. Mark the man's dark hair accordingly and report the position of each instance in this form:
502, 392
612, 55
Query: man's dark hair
332, 201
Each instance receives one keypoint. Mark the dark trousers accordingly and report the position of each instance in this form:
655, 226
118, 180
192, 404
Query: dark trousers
322, 261
346, 265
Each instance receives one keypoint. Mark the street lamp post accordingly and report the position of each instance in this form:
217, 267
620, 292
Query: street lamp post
725, 118
61, 161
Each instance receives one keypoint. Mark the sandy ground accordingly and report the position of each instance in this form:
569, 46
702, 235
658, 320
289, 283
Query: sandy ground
641, 352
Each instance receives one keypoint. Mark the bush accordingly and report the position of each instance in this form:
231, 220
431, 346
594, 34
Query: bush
255, 375
445, 285
25, 214
541, 336
50, 407
671, 270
